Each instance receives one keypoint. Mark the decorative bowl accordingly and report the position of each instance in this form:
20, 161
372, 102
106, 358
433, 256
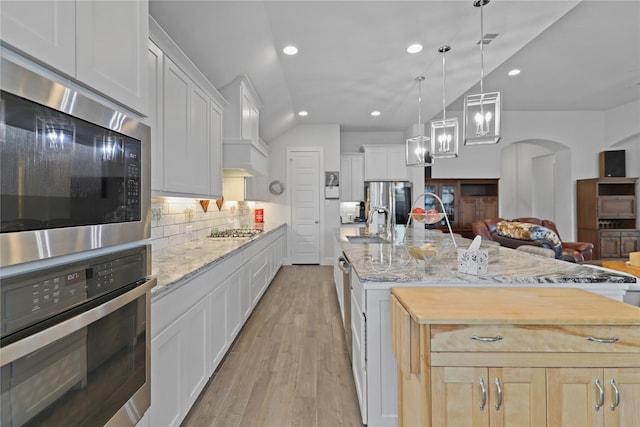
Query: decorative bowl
428, 218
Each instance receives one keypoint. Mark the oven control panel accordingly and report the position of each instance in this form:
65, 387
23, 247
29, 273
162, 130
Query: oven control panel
35, 296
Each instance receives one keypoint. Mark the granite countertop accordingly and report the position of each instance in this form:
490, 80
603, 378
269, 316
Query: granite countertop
390, 262
175, 264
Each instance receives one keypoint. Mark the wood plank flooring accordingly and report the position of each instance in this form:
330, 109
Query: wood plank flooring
289, 365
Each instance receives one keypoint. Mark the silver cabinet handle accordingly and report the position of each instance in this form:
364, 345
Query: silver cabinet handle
603, 340
499, 394
616, 399
486, 339
600, 394
484, 395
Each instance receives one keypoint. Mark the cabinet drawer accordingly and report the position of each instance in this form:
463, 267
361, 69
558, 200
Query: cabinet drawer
534, 338
617, 206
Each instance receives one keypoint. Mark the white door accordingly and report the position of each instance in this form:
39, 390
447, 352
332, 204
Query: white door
304, 182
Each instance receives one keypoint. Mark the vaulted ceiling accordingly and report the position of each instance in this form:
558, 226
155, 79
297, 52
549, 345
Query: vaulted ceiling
574, 55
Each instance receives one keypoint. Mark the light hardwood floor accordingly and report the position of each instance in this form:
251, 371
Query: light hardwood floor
288, 366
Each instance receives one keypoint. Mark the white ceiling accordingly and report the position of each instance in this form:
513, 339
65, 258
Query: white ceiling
574, 55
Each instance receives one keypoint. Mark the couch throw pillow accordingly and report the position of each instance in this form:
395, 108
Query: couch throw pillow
527, 231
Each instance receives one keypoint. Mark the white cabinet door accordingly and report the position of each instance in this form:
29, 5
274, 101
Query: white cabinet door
245, 294
235, 316
186, 133
219, 305
345, 181
167, 376
215, 147
197, 166
385, 162
357, 177
352, 182
396, 164
358, 356
111, 43
154, 121
256, 188
45, 30
382, 378
195, 327
176, 123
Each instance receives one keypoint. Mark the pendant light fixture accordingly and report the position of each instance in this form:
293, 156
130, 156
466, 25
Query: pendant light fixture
444, 133
481, 120
417, 147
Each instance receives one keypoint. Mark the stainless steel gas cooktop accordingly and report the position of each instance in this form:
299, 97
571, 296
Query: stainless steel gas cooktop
236, 232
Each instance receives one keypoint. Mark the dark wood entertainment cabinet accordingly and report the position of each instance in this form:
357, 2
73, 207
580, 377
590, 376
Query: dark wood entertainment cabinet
607, 216
465, 200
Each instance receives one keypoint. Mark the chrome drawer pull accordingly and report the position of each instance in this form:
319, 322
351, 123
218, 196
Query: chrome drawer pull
499, 394
603, 340
616, 398
600, 394
484, 395
486, 339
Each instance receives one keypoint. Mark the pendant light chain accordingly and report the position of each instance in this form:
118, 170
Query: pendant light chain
444, 78
420, 79
481, 46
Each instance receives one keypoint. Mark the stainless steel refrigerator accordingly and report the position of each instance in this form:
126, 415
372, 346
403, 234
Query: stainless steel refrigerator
394, 196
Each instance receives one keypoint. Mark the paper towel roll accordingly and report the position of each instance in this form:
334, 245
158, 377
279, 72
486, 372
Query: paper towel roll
634, 259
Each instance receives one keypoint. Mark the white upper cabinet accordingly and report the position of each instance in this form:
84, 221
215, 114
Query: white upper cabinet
385, 163
352, 177
44, 30
244, 151
186, 121
111, 48
242, 118
101, 44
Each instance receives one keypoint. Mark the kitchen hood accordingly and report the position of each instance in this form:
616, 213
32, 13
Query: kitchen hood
242, 157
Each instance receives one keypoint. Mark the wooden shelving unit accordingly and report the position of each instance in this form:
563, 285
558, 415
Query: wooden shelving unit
607, 216
465, 201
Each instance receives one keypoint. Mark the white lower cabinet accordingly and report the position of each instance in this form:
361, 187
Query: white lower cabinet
167, 369
235, 314
196, 328
193, 326
179, 359
218, 308
373, 364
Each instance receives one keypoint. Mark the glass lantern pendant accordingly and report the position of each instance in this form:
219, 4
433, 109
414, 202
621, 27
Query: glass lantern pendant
417, 147
444, 133
481, 121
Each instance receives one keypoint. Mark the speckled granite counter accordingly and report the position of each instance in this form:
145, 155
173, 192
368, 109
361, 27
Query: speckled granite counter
176, 264
384, 263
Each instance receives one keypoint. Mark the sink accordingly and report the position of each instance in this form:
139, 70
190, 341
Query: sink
366, 239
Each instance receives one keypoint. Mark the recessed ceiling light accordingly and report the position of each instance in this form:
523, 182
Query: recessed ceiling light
302, 113
290, 50
375, 113
414, 48
514, 72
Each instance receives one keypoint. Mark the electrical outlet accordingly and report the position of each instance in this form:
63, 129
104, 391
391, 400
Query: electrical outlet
188, 233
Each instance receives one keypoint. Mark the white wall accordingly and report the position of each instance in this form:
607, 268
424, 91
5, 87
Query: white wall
327, 137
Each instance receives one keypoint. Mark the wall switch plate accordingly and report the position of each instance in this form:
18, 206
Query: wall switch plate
188, 233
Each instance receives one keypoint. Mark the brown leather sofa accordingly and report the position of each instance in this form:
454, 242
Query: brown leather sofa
569, 251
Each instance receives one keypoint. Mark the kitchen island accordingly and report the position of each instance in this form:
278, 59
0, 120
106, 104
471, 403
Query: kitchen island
531, 357
376, 268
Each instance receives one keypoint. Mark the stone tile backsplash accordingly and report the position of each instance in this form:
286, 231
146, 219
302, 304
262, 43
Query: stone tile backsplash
178, 220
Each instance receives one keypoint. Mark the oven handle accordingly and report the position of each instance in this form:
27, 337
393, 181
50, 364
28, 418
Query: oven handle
43, 338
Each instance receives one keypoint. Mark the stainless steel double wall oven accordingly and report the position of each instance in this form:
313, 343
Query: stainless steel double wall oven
75, 259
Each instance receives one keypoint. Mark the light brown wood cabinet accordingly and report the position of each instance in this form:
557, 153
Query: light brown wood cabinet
538, 357
607, 216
